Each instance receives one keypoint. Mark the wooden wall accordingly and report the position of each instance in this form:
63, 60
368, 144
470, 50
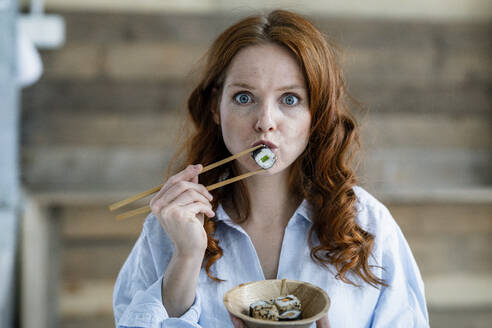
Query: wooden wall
102, 123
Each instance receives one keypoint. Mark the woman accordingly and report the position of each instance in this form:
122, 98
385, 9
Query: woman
270, 80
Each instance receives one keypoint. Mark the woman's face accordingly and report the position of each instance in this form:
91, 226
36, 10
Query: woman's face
264, 100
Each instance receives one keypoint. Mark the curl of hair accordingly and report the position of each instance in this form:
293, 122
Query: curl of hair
321, 174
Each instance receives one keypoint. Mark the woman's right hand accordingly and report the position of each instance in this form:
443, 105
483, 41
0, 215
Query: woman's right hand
180, 207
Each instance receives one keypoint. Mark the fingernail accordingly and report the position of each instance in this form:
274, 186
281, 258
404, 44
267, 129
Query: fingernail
197, 167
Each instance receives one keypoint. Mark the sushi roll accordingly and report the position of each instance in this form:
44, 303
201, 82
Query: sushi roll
264, 157
290, 315
264, 310
257, 305
286, 303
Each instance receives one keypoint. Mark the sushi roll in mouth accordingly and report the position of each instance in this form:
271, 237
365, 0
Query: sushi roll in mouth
264, 157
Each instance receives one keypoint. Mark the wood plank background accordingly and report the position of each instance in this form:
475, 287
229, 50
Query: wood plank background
107, 113
120, 83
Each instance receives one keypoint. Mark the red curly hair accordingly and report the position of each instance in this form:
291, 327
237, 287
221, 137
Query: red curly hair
321, 174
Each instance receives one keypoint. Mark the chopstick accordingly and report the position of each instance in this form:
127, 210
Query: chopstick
141, 210
283, 287
146, 208
143, 194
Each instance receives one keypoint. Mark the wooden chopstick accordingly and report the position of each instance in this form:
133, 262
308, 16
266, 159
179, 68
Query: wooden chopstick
143, 194
283, 287
230, 158
127, 201
146, 209
231, 180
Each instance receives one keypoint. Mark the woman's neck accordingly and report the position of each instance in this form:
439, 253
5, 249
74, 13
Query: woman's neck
270, 200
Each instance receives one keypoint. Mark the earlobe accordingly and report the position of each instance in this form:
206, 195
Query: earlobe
215, 106
216, 116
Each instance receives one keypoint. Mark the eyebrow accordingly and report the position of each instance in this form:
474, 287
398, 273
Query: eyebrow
242, 85
291, 87
247, 86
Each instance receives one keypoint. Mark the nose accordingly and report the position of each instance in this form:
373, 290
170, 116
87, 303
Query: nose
265, 120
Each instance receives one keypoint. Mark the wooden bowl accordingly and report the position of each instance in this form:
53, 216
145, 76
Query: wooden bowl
314, 301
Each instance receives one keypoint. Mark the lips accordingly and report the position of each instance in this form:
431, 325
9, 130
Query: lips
267, 143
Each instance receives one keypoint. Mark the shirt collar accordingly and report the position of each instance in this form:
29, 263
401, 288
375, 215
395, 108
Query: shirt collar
303, 211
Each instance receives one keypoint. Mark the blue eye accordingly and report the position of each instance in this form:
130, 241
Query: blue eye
242, 98
290, 100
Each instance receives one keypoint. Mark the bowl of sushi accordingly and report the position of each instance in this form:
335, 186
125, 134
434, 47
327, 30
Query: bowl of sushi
277, 303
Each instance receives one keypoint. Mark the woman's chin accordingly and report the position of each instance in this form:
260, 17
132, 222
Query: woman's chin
275, 169
251, 166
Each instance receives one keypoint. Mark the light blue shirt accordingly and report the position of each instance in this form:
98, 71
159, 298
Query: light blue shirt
137, 299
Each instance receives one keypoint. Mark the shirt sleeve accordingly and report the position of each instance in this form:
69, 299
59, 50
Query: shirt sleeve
137, 295
402, 303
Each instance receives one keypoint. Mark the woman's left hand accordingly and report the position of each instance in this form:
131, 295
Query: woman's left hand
238, 323
321, 323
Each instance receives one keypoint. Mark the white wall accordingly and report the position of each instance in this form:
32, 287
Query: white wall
9, 171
